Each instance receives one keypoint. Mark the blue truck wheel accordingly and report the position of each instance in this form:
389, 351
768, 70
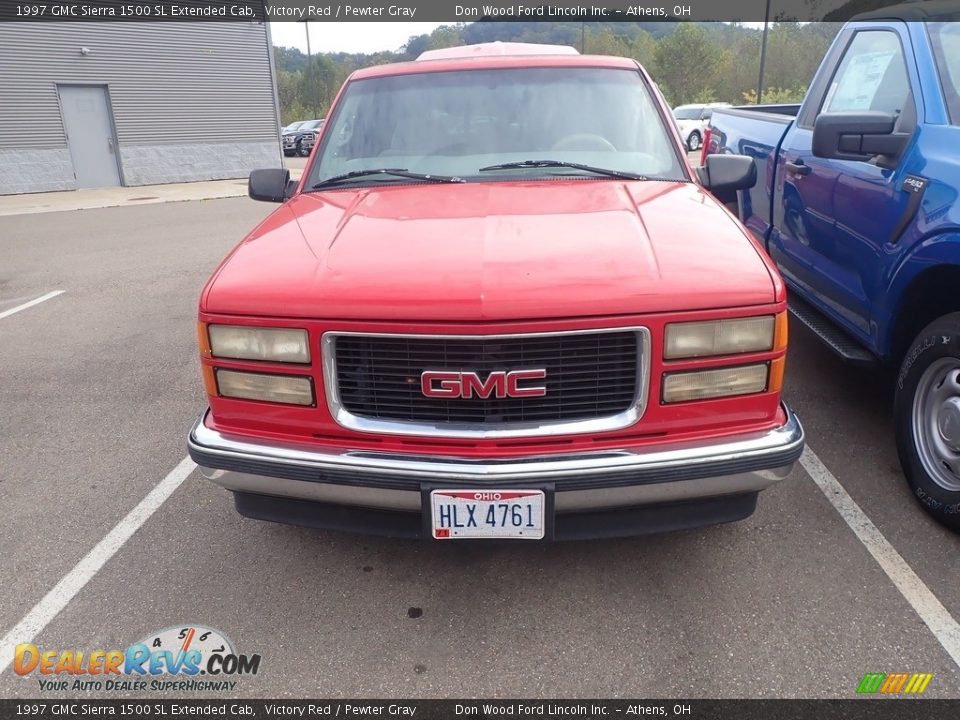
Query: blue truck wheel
927, 413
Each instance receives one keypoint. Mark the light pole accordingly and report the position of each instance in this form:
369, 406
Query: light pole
306, 30
763, 53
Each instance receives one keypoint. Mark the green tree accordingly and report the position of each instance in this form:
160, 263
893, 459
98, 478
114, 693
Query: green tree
289, 59
288, 91
643, 49
293, 112
686, 60
738, 66
318, 85
603, 41
776, 95
445, 36
691, 62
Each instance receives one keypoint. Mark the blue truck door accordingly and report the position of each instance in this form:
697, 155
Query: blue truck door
833, 219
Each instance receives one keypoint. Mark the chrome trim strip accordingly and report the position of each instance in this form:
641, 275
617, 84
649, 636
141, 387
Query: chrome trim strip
681, 490
788, 436
382, 498
345, 418
564, 502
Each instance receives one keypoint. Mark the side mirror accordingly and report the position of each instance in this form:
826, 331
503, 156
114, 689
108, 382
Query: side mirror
269, 185
723, 175
857, 136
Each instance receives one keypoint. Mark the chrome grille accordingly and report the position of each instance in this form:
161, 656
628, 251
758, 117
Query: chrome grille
590, 376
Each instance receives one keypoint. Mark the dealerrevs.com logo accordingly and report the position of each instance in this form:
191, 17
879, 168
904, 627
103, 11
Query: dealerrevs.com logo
180, 658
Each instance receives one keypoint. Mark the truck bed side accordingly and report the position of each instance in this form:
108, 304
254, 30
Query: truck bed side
755, 131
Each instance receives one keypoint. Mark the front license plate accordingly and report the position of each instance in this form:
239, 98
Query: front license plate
462, 514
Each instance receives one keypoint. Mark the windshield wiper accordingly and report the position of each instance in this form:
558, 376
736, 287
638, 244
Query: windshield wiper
562, 164
396, 172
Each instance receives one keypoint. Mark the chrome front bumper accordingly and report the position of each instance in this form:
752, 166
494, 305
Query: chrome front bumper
582, 482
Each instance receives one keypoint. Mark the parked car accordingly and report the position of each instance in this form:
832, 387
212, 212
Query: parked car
498, 304
306, 144
295, 142
692, 121
291, 127
857, 205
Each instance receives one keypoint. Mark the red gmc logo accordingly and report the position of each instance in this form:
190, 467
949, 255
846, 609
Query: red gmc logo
500, 384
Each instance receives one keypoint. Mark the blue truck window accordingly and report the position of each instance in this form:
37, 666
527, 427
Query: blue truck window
871, 76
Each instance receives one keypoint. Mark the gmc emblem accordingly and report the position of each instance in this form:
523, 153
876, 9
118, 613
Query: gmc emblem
500, 384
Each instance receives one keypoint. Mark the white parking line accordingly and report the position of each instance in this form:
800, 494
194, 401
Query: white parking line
943, 626
18, 308
72, 583
941, 623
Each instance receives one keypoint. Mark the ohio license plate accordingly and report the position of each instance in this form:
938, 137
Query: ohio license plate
462, 514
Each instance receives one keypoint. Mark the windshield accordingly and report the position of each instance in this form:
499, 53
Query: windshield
293, 126
690, 113
454, 123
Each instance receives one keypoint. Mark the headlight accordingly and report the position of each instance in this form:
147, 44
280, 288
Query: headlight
718, 337
243, 342
289, 389
707, 384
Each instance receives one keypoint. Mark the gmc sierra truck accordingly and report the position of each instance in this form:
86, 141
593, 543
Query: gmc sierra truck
856, 203
498, 304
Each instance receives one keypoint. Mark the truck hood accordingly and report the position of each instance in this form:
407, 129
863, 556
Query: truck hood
493, 251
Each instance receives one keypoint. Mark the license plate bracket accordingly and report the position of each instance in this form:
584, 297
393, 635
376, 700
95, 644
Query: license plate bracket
508, 496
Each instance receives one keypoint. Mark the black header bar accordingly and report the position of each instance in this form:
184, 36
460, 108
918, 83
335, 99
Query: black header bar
876, 708
433, 10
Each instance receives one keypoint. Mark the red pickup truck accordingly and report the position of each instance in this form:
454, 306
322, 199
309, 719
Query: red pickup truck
498, 304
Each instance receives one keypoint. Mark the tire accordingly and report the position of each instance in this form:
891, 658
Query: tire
302, 151
288, 153
693, 142
927, 417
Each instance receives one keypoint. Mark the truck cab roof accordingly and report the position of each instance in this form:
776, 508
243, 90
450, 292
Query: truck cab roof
942, 10
496, 48
494, 55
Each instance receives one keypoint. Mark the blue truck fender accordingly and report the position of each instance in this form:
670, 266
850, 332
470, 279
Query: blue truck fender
922, 286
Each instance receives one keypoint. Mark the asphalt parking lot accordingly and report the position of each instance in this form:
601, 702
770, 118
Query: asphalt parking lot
99, 387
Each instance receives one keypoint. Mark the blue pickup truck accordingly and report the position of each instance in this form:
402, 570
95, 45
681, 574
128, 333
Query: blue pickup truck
856, 201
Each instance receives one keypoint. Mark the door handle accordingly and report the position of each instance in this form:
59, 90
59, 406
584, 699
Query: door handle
110, 145
798, 168
915, 186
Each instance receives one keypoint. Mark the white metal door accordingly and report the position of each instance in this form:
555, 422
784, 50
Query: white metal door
88, 122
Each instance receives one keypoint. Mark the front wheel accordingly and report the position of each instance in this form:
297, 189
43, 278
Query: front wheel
693, 142
927, 415
301, 150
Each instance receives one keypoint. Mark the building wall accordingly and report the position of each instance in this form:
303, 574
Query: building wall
35, 170
190, 101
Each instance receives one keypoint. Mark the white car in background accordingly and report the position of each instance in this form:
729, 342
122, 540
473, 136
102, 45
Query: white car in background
692, 120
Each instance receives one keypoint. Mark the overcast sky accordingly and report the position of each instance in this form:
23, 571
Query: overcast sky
364, 37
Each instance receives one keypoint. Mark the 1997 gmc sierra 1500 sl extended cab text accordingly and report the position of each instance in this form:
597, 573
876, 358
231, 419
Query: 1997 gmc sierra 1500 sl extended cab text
498, 304
857, 204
